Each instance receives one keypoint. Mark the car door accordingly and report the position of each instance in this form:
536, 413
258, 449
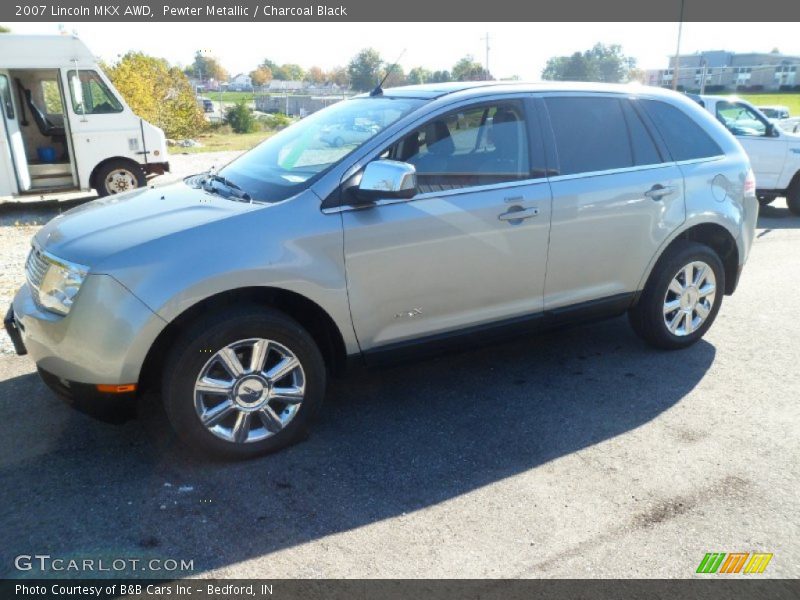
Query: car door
767, 153
101, 126
616, 198
13, 134
470, 248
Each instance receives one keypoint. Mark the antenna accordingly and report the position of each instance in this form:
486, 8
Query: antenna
378, 91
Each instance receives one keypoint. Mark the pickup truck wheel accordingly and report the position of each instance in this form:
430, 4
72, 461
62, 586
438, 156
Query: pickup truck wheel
118, 176
681, 298
793, 198
243, 383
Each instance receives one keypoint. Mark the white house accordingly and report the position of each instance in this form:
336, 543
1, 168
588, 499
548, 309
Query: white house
241, 81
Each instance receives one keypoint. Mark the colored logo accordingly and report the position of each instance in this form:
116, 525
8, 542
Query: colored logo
734, 562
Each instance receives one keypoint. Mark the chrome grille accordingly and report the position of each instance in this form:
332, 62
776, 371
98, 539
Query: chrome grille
35, 268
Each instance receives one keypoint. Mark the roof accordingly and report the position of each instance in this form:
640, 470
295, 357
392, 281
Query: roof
43, 51
476, 88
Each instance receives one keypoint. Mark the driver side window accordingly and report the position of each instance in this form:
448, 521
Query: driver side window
475, 146
740, 119
90, 95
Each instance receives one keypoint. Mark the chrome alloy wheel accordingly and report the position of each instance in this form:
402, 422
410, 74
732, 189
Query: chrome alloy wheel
689, 298
249, 390
120, 180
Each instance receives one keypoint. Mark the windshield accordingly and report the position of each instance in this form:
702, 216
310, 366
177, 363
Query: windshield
740, 119
290, 160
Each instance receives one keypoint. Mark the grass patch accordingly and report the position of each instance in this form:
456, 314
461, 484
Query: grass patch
790, 100
228, 97
223, 141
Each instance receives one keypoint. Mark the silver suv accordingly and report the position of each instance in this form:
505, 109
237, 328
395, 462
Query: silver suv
464, 211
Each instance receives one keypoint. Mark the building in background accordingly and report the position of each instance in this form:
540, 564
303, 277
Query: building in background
721, 71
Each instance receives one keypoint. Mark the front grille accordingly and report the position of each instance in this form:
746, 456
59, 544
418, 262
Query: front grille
35, 269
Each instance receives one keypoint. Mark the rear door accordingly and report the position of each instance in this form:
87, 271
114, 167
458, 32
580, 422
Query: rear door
471, 247
13, 135
616, 198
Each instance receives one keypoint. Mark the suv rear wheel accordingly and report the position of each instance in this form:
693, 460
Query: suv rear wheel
793, 197
681, 298
243, 383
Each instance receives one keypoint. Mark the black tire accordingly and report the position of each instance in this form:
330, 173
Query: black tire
135, 175
793, 197
194, 349
647, 317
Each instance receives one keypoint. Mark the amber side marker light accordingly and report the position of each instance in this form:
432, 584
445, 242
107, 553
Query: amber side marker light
116, 389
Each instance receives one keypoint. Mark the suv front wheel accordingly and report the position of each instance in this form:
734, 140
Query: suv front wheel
243, 383
681, 298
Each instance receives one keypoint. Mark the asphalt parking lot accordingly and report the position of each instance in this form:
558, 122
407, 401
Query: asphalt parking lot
579, 453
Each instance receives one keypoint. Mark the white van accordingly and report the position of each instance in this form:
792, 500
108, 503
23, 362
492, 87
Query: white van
774, 153
64, 127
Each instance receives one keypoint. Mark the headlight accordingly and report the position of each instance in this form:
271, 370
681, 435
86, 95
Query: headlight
56, 281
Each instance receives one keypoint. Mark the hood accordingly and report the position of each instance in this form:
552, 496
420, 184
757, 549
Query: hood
95, 231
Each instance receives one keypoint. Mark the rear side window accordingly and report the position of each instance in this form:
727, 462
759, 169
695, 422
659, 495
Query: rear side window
590, 133
644, 147
685, 139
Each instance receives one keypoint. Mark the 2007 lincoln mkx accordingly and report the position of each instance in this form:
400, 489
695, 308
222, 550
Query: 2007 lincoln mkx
384, 224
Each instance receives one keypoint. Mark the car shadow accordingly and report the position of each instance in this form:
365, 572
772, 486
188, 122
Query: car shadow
776, 216
387, 443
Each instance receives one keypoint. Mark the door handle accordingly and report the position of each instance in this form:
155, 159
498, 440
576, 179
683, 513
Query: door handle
517, 213
658, 191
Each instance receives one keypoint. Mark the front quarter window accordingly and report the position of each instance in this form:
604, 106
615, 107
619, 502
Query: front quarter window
740, 119
291, 160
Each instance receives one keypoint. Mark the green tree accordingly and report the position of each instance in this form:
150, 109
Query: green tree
419, 75
441, 76
364, 70
289, 72
4, 29
159, 93
600, 63
206, 67
394, 78
240, 118
468, 69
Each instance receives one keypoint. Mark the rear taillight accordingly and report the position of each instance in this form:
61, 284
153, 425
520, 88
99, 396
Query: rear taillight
749, 188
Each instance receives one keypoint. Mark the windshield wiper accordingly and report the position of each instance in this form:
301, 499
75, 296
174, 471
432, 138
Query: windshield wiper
232, 189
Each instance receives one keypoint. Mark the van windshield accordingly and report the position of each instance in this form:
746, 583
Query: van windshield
291, 160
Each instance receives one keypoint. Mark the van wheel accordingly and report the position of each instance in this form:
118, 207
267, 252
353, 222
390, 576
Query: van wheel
243, 383
118, 176
793, 197
681, 298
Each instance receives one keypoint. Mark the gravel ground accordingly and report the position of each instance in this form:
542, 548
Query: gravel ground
580, 453
19, 221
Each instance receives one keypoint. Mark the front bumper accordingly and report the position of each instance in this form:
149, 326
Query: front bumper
85, 398
103, 340
156, 168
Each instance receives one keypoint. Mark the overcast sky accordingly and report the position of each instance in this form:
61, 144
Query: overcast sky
516, 48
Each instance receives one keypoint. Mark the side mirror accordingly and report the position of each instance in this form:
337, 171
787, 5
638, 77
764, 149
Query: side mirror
771, 131
384, 179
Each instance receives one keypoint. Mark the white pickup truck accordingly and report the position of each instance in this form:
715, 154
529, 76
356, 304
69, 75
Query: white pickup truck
774, 153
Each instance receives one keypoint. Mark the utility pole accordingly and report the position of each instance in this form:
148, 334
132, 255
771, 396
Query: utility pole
676, 71
486, 39
703, 64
